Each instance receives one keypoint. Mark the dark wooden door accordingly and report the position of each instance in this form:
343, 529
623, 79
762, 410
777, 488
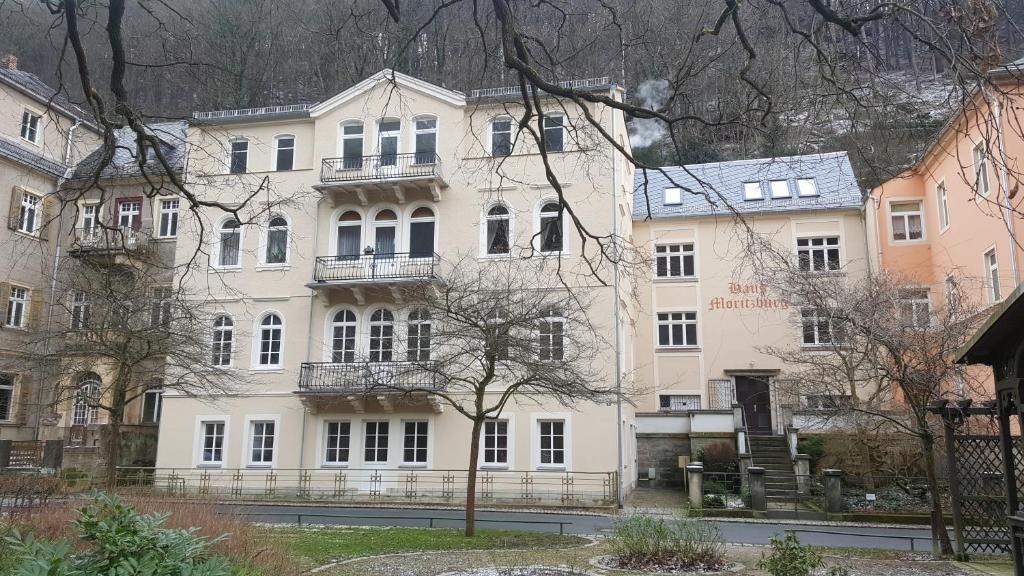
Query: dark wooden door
753, 394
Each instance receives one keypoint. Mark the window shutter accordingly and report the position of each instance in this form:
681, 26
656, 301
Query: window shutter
49, 211
14, 210
23, 399
35, 318
5, 300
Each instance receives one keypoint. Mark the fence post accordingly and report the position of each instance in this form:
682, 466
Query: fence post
758, 499
695, 480
802, 468
5, 454
833, 491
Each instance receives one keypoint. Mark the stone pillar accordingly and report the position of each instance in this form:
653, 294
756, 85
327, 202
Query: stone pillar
741, 441
695, 481
833, 491
746, 461
758, 498
5, 454
53, 454
802, 469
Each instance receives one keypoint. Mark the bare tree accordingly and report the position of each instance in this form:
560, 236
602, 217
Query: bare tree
501, 332
874, 353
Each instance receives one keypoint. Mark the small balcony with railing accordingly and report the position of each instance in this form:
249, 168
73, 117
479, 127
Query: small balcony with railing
369, 386
102, 241
401, 177
388, 269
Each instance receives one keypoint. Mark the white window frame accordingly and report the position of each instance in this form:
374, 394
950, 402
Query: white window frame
538, 220
915, 302
811, 248
684, 321
564, 131
214, 331
906, 216
132, 208
19, 306
942, 199
219, 242
419, 323
427, 447
232, 152
979, 154
199, 441
31, 204
486, 219
806, 187
672, 196
752, 191
779, 189
27, 116
354, 163
160, 313
365, 444
329, 339
816, 316
250, 438
509, 464
490, 136
380, 349
277, 148
169, 209
158, 393
8, 385
535, 422
546, 338
416, 131
90, 217
993, 289
265, 241
257, 345
668, 254
90, 413
353, 446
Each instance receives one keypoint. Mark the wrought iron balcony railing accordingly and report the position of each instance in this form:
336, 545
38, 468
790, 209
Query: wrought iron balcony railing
380, 167
366, 376
382, 266
99, 239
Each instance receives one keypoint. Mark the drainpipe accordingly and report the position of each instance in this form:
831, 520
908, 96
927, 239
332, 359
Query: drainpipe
49, 321
71, 136
1004, 183
618, 326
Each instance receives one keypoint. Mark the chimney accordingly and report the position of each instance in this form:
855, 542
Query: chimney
9, 61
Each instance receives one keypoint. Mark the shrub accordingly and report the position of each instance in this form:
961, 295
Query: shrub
713, 501
715, 487
719, 457
789, 558
21, 489
645, 542
119, 540
813, 446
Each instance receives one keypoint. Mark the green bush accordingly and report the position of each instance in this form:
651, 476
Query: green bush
720, 457
118, 540
715, 487
789, 558
813, 446
641, 541
713, 501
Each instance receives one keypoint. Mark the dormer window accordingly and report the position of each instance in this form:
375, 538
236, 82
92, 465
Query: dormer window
806, 187
779, 188
752, 191
30, 127
673, 196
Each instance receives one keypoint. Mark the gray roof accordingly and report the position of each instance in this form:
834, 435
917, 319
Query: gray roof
125, 161
14, 151
33, 87
711, 189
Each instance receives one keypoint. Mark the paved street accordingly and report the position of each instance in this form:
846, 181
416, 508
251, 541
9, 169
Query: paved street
732, 532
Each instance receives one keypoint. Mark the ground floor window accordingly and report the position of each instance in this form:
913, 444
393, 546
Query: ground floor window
337, 442
376, 442
262, 452
152, 404
672, 402
213, 443
415, 447
552, 442
496, 442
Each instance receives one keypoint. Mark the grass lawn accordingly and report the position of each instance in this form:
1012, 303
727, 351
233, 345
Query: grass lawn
319, 545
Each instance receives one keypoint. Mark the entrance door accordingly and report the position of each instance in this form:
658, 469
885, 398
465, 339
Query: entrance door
753, 394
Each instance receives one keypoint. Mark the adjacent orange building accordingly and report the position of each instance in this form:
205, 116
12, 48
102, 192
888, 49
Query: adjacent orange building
955, 219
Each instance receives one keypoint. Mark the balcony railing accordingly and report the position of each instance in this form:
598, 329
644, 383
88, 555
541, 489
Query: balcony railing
99, 239
369, 267
380, 167
366, 376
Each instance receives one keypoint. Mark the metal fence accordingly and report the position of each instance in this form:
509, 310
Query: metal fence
555, 488
100, 239
383, 266
380, 167
366, 376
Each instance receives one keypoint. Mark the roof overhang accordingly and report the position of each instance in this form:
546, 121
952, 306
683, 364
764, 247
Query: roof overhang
1005, 323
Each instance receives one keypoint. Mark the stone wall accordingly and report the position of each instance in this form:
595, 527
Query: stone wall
662, 452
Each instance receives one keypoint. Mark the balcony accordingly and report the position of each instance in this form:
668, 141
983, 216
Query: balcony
359, 384
109, 241
391, 268
383, 176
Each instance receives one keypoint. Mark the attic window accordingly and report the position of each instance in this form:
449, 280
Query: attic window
752, 191
806, 187
673, 196
780, 188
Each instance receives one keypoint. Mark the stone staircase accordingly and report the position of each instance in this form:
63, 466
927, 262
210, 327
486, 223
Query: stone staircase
772, 454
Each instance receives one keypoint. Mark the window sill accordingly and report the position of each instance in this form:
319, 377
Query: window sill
505, 256
494, 467
259, 466
268, 370
210, 466
669, 349
272, 267
36, 144
9, 327
218, 269
412, 466
551, 468
676, 279
165, 239
32, 235
894, 242
334, 466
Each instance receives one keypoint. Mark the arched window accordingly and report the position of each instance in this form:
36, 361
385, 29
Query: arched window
352, 145
418, 348
343, 337
350, 235
229, 244
284, 152
87, 399
382, 335
270, 337
499, 225
426, 140
276, 249
385, 227
551, 228
551, 336
421, 233
223, 340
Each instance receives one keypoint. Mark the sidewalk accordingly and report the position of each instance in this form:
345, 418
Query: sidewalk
988, 568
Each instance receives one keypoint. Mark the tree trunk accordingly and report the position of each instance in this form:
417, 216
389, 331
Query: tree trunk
939, 532
118, 399
474, 455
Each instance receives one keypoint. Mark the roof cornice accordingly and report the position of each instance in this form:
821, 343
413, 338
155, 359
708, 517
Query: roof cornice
402, 80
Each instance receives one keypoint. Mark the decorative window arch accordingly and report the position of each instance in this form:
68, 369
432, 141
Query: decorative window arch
418, 332
497, 229
351, 144
551, 228
425, 139
87, 398
284, 152
382, 335
227, 253
269, 341
349, 233
275, 241
385, 232
422, 230
223, 341
344, 326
